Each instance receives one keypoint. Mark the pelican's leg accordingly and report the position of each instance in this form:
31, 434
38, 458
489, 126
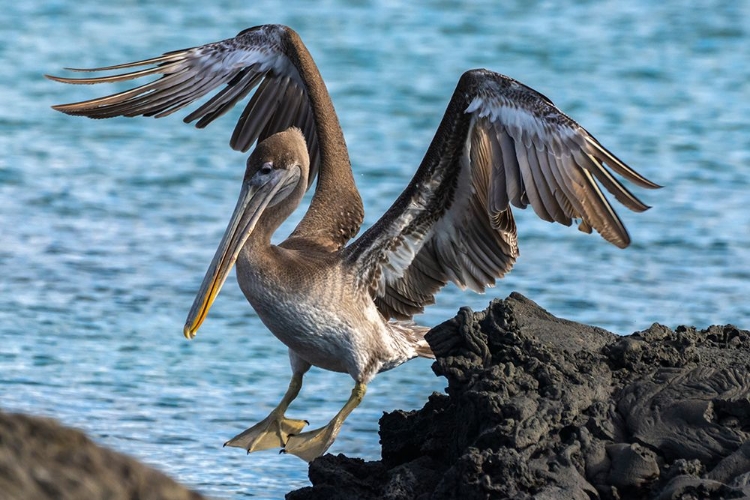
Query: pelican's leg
274, 430
310, 445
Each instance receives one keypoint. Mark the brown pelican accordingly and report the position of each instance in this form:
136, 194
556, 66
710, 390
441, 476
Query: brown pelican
344, 307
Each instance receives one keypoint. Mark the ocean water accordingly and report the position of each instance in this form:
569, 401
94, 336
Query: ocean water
108, 226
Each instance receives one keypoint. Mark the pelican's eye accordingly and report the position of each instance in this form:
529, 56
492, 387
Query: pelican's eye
267, 168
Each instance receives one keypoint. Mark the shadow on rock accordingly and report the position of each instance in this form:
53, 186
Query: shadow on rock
543, 407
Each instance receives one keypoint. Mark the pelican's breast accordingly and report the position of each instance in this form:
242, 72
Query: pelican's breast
311, 306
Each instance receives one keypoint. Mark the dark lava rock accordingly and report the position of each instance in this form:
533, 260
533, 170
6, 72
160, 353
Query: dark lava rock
40, 459
540, 407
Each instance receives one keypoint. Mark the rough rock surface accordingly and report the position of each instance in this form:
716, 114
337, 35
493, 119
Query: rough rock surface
546, 408
40, 459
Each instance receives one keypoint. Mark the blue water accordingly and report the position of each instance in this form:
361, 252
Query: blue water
108, 226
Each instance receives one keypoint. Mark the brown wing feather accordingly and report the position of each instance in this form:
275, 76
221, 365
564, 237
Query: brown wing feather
499, 144
250, 61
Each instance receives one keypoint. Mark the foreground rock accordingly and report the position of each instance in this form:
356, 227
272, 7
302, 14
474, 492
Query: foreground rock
546, 408
40, 459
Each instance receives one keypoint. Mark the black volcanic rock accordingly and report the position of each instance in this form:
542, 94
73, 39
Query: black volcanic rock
541, 407
40, 459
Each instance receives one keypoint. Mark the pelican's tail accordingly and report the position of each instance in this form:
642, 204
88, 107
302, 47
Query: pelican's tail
414, 335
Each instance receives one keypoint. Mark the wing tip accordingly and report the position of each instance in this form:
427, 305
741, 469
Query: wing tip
61, 79
68, 109
623, 243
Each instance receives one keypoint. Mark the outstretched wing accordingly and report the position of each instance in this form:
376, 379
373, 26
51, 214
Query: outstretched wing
499, 143
254, 58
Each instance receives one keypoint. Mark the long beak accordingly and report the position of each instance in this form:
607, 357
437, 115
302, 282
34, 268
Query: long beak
252, 202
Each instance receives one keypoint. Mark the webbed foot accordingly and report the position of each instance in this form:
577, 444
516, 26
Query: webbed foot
271, 432
312, 444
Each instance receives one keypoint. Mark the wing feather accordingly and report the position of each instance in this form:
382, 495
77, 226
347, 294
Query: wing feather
253, 60
512, 169
529, 170
257, 113
499, 198
236, 90
548, 182
499, 144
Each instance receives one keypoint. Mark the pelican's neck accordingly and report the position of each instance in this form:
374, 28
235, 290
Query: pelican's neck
273, 217
336, 210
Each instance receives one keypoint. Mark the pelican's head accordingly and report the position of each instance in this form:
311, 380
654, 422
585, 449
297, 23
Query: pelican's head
274, 183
